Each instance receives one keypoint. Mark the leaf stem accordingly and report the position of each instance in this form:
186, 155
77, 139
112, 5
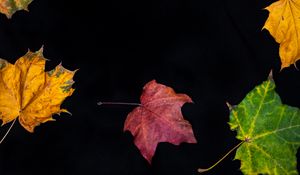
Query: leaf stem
201, 170
7, 132
118, 103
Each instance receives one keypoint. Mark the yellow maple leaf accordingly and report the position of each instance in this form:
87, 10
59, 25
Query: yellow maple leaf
9, 7
283, 24
30, 93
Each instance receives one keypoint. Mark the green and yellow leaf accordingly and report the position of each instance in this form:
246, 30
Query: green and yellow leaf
271, 131
9, 7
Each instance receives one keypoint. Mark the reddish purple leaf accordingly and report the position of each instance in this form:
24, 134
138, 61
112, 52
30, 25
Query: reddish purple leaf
159, 119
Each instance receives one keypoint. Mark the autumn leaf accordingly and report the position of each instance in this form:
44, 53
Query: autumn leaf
159, 119
31, 94
270, 131
9, 7
284, 25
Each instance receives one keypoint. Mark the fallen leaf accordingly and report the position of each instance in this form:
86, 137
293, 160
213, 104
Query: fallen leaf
284, 25
9, 7
159, 119
31, 94
270, 129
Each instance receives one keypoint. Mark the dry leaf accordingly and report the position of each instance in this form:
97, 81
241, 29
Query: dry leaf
159, 119
284, 25
9, 7
31, 94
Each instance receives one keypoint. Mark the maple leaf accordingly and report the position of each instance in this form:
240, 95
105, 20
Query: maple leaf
270, 131
159, 119
9, 7
31, 94
284, 25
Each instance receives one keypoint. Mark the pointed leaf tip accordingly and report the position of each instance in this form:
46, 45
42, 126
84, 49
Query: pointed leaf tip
270, 77
230, 107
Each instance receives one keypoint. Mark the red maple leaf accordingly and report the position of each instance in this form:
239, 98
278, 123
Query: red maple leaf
159, 119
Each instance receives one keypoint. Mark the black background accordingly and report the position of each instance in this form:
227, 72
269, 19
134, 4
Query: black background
214, 51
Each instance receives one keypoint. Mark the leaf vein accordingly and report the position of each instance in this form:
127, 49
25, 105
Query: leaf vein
269, 156
259, 109
274, 132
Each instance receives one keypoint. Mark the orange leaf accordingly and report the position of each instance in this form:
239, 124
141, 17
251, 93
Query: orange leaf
31, 94
159, 119
284, 25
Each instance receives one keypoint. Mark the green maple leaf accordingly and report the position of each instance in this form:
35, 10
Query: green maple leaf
270, 131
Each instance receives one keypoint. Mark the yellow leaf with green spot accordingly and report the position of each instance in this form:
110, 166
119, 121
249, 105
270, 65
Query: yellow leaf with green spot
271, 131
30, 93
9, 7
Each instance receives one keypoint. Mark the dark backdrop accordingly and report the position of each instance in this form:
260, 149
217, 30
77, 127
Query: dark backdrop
214, 51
